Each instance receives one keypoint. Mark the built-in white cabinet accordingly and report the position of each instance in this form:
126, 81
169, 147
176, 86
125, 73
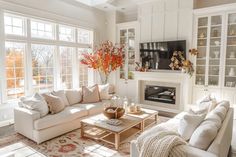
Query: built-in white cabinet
163, 20
215, 64
127, 35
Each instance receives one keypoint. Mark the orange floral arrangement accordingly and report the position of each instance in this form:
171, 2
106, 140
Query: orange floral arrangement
105, 59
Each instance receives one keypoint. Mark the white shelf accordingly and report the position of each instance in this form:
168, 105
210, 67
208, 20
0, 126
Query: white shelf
218, 25
202, 27
230, 76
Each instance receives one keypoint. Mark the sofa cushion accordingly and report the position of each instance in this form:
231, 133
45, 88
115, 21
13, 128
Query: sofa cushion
55, 103
62, 95
74, 96
90, 94
68, 114
203, 135
213, 118
92, 108
188, 124
221, 112
36, 103
104, 91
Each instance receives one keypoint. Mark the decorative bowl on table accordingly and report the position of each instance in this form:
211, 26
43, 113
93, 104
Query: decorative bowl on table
113, 112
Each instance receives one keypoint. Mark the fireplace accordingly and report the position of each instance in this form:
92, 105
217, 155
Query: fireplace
160, 94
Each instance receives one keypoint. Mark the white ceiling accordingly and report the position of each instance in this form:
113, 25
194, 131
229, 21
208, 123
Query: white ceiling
108, 5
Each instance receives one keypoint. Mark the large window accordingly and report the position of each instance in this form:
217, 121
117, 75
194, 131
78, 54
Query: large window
41, 56
14, 63
14, 25
85, 36
42, 64
83, 69
66, 33
66, 67
40, 29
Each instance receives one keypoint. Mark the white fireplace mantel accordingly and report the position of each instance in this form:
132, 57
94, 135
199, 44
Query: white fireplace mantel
165, 76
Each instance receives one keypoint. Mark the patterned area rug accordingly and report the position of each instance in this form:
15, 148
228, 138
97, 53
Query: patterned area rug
69, 145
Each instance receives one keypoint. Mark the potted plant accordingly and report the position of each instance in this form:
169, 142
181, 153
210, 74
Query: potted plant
105, 59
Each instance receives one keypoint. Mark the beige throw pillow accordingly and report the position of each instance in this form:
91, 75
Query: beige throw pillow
74, 96
62, 95
55, 103
90, 94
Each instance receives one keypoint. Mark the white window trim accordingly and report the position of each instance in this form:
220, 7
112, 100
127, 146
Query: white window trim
28, 40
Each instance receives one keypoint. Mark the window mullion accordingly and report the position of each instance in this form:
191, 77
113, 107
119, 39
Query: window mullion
3, 95
56, 74
28, 61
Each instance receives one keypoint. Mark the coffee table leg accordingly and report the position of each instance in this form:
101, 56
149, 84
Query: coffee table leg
156, 117
117, 141
82, 129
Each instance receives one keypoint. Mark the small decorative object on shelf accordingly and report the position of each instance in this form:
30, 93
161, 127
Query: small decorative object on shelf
105, 59
140, 68
178, 62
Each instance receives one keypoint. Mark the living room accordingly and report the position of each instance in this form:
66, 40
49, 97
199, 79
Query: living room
118, 78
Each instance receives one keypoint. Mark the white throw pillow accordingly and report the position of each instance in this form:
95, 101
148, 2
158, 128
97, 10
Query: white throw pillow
221, 112
188, 124
203, 136
62, 95
104, 91
74, 96
36, 103
198, 111
224, 104
213, 118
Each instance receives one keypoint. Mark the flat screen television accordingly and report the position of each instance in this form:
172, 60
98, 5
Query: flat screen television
157, 55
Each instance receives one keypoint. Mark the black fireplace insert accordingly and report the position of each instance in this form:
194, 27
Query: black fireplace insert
160, 94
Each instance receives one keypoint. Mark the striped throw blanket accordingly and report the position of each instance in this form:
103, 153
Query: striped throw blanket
160, 142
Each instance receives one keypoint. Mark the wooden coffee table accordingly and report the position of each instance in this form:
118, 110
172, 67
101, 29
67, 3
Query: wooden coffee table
96, 127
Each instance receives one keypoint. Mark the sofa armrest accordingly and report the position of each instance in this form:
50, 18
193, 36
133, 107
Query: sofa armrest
24, 121
190, 151
195, 152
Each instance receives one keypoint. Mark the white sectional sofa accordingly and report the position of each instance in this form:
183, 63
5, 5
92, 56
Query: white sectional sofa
218, 148
29, 123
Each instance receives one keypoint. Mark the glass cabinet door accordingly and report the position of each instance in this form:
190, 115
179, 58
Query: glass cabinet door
131, 52
230, 63
127, 38
123, 41
214, 50
202, 30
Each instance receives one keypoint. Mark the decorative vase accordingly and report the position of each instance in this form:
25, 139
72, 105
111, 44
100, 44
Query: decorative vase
103, 77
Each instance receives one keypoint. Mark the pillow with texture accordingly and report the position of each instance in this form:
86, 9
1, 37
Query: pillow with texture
212, 105
90, 94
62, 95
213, 118
203, 136
104, 91
36, 103
224, 104
74, 96
221, 112
188, 124
198, 111
55, 103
